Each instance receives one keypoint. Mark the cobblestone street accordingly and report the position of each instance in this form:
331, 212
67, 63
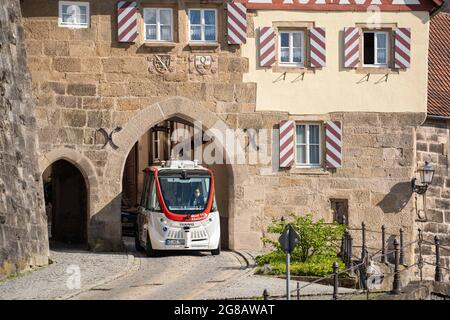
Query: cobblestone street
174, 276
51, 282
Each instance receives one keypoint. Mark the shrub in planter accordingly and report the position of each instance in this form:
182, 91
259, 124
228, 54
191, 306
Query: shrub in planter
314, 254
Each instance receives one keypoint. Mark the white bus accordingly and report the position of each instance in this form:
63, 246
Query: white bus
178, 209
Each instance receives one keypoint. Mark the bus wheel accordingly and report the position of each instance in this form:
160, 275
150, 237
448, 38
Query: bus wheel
148, 248
216, 252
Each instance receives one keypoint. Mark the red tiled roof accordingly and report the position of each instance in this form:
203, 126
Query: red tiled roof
439, 66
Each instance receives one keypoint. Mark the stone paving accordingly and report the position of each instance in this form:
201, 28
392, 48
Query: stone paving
252, 286
51, 282
134, 276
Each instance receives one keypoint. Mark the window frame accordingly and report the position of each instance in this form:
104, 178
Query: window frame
62, 24
158, 24
307, 144
155, 147
291, 48
388, 43
202, 25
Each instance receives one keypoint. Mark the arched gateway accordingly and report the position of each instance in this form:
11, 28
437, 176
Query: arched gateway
179, 108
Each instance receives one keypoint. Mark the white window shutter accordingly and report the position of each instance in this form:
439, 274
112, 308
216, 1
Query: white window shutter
402, 51
236, 23
127, 21
317, 45
333, 144
287, 134
266, 46
351, 47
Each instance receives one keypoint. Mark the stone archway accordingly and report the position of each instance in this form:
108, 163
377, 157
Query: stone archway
86, 169
137, 126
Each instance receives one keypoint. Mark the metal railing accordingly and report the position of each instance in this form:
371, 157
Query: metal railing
354, 263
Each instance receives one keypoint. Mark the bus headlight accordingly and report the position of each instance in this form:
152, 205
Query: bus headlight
209, 220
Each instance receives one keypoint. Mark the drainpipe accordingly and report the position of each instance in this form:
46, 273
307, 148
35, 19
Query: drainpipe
436, 10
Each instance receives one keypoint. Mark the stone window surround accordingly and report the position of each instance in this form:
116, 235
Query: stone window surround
302, 34
312, 170
181, 18
291, 26
74, 26
364, 69
375, 48
175, 24
215, 25
321, 143
173, 16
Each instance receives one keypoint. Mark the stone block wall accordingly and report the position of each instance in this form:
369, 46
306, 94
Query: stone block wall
23, 227
378, 162
433, 146
83, 80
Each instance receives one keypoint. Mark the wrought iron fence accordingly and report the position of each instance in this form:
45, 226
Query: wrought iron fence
360, 264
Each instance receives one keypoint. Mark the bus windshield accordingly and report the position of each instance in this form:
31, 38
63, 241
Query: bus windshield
185, 195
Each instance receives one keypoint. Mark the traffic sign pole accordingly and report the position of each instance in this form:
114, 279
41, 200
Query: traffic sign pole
288, 240
288, 276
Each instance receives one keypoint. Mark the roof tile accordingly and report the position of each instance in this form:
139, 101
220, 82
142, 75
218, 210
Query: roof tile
439, 66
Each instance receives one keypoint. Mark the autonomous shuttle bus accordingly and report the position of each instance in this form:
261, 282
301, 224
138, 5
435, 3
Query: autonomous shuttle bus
178, 209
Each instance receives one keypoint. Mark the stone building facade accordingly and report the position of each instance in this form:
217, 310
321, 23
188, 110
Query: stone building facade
84, 80
433, 144
23, 232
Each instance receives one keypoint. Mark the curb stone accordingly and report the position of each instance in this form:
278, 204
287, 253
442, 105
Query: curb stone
132, 264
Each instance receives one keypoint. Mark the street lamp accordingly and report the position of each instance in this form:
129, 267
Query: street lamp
426, 177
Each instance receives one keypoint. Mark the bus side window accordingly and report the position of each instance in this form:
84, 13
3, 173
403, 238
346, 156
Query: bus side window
153, 199
145, 194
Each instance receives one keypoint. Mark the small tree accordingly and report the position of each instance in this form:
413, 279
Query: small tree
315, 237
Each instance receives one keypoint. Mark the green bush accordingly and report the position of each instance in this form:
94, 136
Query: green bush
314, 255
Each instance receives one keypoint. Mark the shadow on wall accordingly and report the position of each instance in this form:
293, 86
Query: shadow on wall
105, 227
397, 198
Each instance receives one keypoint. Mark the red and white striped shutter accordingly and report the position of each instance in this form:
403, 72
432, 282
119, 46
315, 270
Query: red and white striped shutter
351, 47
287, 130
236, 23
333, 144
127, 21
317, 47
402, 43
266, 46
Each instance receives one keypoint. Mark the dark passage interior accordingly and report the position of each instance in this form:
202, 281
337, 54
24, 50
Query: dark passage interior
66, 203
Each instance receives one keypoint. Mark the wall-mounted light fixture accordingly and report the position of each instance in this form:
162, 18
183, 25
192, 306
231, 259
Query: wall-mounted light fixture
426, 177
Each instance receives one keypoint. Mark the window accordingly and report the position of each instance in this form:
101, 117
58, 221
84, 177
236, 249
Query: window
158, 24
203, 25
308, 145
340, 210
291, 48
375, 46
73, 14
155, 147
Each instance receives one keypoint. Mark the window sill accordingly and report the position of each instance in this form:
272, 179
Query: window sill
203, 44
314, 171
292, 69
74, 26
157, 44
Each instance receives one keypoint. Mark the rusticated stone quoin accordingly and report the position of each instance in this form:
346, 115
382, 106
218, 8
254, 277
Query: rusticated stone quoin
433, 146
23, 226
